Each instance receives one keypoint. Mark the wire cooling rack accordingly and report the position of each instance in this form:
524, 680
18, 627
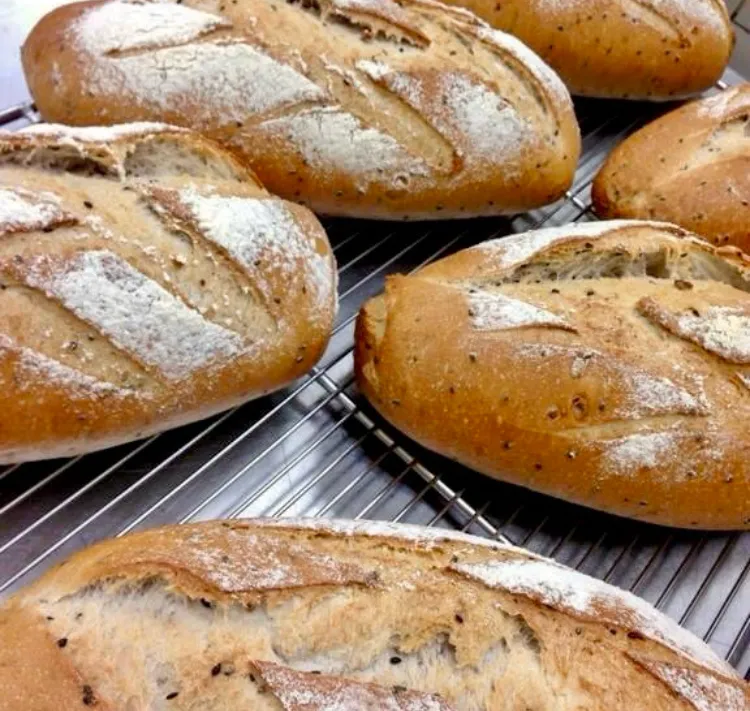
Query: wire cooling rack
316, 449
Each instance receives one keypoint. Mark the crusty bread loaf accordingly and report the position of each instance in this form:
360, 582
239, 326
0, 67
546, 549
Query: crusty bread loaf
367, 108
146, 280
607, 364
691, 167
301, 615
631, 49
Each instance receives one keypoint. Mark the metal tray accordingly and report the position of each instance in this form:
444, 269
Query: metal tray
316, 449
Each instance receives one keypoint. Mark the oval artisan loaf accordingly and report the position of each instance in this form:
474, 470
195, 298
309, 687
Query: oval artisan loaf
303, 615
607, 364
631, 49
691, 167
146, 280
372, 109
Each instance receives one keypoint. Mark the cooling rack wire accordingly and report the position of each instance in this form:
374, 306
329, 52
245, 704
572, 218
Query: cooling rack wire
317, 449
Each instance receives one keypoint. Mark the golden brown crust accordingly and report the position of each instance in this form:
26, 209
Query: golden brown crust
229, 615
148, 280
376, 109
34, 674
691, 167
632, 49
535, 359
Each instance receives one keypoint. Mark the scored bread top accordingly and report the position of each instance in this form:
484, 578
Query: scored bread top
372, 108
146, 279
607, 364
630, 49
691, 167
315, 616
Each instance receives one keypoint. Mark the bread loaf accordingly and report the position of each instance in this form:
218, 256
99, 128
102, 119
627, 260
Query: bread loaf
606, 363
691, 167
308, 615
366, 108
146, 280
630, 49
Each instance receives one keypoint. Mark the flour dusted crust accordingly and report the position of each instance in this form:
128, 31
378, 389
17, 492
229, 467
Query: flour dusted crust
607, 364
691, 167
354, 107
147, 280
322, 616
631, 49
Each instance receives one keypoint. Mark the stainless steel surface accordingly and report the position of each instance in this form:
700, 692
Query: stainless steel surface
316, 449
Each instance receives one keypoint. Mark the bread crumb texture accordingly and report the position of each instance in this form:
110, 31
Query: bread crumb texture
343, 616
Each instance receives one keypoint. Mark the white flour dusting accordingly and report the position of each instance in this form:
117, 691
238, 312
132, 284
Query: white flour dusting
654, 395
627, 455
411, 89
576, 593
136, 313
493, 311
541, 70
126, 25
34, 368
259, 563
374, 69
219, 81
744, 379
100, 134
21, 210
515, 249
721, 330
265, 230
316, 692
332, 139
704, 691
475, 118
492, 129
643, 394
420, 535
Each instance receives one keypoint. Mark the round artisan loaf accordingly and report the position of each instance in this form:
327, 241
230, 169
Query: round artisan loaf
372, 109
146, 280
691, 167
630, 49
306, 615
607, 364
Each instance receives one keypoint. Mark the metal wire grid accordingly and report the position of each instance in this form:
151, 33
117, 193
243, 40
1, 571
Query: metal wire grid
736, 15
317, 449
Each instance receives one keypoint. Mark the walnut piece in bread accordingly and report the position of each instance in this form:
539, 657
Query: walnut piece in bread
147, 279
605, 363
374, 109
690, 167
626, 49
301, 615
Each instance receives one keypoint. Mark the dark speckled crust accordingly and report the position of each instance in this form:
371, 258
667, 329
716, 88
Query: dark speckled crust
69, 384
275, 614
601, 407
691, 167
395, 111
632, 49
